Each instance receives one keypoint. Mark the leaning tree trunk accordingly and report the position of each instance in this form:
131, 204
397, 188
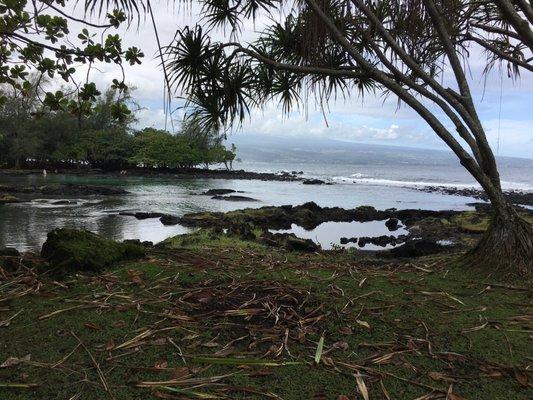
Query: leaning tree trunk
507, 245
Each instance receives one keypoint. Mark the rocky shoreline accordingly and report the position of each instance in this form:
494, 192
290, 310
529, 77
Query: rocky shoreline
513, 196
194, 173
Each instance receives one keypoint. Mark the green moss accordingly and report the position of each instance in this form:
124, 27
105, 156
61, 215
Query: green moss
203, 238
69, 250
474, 222
8, 198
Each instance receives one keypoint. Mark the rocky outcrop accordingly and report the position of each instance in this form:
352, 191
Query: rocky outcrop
288, 241
218, 192
392, 224
308, 215
71, 250
8, 199
65, 190
9, 252
142, 214
417, 248
234, 198
381, 241
513, 196
314, 182
169, 220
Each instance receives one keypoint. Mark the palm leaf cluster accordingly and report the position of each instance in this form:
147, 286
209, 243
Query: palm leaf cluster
298, 54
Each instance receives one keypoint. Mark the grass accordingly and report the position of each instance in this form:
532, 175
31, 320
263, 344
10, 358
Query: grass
208, 317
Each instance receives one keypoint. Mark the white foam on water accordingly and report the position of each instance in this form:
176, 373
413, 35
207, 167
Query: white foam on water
361, 179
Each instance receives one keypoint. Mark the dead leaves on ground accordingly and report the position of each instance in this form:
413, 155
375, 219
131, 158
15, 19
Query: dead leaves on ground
251, 325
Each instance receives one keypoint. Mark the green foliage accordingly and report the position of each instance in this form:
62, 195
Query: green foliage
70, 250
190, 147
94, 134
38, 37
98, 138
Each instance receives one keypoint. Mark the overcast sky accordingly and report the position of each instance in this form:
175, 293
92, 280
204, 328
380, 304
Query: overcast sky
368, 120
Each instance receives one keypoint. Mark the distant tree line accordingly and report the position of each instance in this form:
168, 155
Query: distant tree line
34, 137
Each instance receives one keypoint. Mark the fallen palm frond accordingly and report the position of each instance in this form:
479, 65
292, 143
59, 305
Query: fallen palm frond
243, 361
18, 385
319, 349
185, 382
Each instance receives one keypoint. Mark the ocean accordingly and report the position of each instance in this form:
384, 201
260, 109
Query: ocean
380, 177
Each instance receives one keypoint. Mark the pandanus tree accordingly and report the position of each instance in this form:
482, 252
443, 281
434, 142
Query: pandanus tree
416, 50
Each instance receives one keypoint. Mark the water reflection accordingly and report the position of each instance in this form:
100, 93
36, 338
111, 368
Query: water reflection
25, 225
328, 234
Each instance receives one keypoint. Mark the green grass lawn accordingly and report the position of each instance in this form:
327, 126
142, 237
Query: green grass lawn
222, 318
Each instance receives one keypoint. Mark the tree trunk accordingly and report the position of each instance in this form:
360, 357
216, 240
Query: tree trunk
507, 245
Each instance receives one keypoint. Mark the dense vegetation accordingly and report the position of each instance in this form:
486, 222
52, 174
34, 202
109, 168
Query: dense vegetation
35, 137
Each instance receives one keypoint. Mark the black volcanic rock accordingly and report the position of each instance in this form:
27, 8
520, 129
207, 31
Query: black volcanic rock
168, 219
218, 192
234, 198
417, 248
66, 190
314, 182
142, 215
392, 224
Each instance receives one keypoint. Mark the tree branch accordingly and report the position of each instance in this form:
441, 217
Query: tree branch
500, 53
527, 9
488, 164
495, 29
520, 25
459, 126
304, 69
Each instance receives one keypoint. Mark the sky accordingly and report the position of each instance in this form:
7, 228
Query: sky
505, 106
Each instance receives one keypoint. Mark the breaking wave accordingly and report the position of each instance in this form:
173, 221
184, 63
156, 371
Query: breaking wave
365, 180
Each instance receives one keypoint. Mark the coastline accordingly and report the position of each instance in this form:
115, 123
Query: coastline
196, 173
518, 197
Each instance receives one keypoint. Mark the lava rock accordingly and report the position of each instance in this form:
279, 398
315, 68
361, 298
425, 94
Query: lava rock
392, 224
71, 250
218, 192
68, 189
345, 240
9, 252
142, 215
294, 243
314, 182
7, 199
234, 198
381, 241
417, 248
168, 219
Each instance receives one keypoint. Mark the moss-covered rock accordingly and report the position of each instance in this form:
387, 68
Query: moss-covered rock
7, 198
9, 251
69, 250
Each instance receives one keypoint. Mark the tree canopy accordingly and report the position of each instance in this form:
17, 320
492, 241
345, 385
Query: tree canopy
32, 137
36, 37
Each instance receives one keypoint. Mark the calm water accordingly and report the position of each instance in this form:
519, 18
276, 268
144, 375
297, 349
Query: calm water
25, 225
328, 234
